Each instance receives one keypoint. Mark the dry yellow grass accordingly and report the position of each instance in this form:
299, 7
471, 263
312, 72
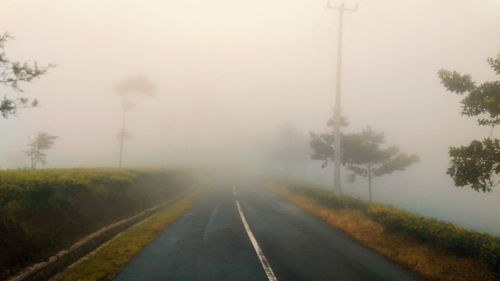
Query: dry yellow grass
429, 262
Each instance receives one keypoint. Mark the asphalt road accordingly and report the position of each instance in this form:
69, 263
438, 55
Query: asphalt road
210, 242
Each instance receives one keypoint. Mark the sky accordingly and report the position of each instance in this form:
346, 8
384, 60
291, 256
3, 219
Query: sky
229, 74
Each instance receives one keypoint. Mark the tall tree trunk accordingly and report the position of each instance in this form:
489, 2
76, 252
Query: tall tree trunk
370, 182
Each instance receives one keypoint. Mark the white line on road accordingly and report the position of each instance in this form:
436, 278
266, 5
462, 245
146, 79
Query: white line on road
263, 260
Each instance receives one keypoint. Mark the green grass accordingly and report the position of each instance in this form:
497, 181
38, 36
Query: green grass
106, 262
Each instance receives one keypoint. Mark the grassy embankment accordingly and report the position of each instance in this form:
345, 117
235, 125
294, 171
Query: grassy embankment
106, 261
45, 211
434, 249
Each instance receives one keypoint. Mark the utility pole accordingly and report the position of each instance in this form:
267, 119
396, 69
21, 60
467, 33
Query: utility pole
336, 114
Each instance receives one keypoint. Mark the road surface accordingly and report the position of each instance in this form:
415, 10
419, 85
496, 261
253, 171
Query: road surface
212, 242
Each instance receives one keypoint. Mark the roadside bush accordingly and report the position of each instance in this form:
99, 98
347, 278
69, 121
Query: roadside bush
44, 211
442, 235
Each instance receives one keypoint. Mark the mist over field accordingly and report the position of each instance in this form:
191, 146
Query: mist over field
229, 75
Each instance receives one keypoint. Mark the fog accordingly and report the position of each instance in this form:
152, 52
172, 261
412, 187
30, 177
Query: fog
229, 74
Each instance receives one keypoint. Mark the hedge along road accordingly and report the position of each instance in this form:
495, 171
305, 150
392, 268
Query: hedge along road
252, 234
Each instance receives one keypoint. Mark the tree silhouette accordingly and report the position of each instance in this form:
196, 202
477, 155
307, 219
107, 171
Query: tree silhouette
12, 73
128, 88
37, 148
362, 153
477, 164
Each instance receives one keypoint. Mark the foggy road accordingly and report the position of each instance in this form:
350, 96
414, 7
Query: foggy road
210, 242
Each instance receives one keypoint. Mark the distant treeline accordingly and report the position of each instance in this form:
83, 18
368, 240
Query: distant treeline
439, 234
44, 211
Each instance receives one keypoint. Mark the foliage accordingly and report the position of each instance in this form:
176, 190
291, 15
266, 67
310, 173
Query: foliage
482, 100
12, 73
364, 156
443, 235
43, 211
494, 63
478, 163
475, 164
42, 142
322, 144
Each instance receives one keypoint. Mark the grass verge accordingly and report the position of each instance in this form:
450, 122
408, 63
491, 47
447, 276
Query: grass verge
428, 261
105, 262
